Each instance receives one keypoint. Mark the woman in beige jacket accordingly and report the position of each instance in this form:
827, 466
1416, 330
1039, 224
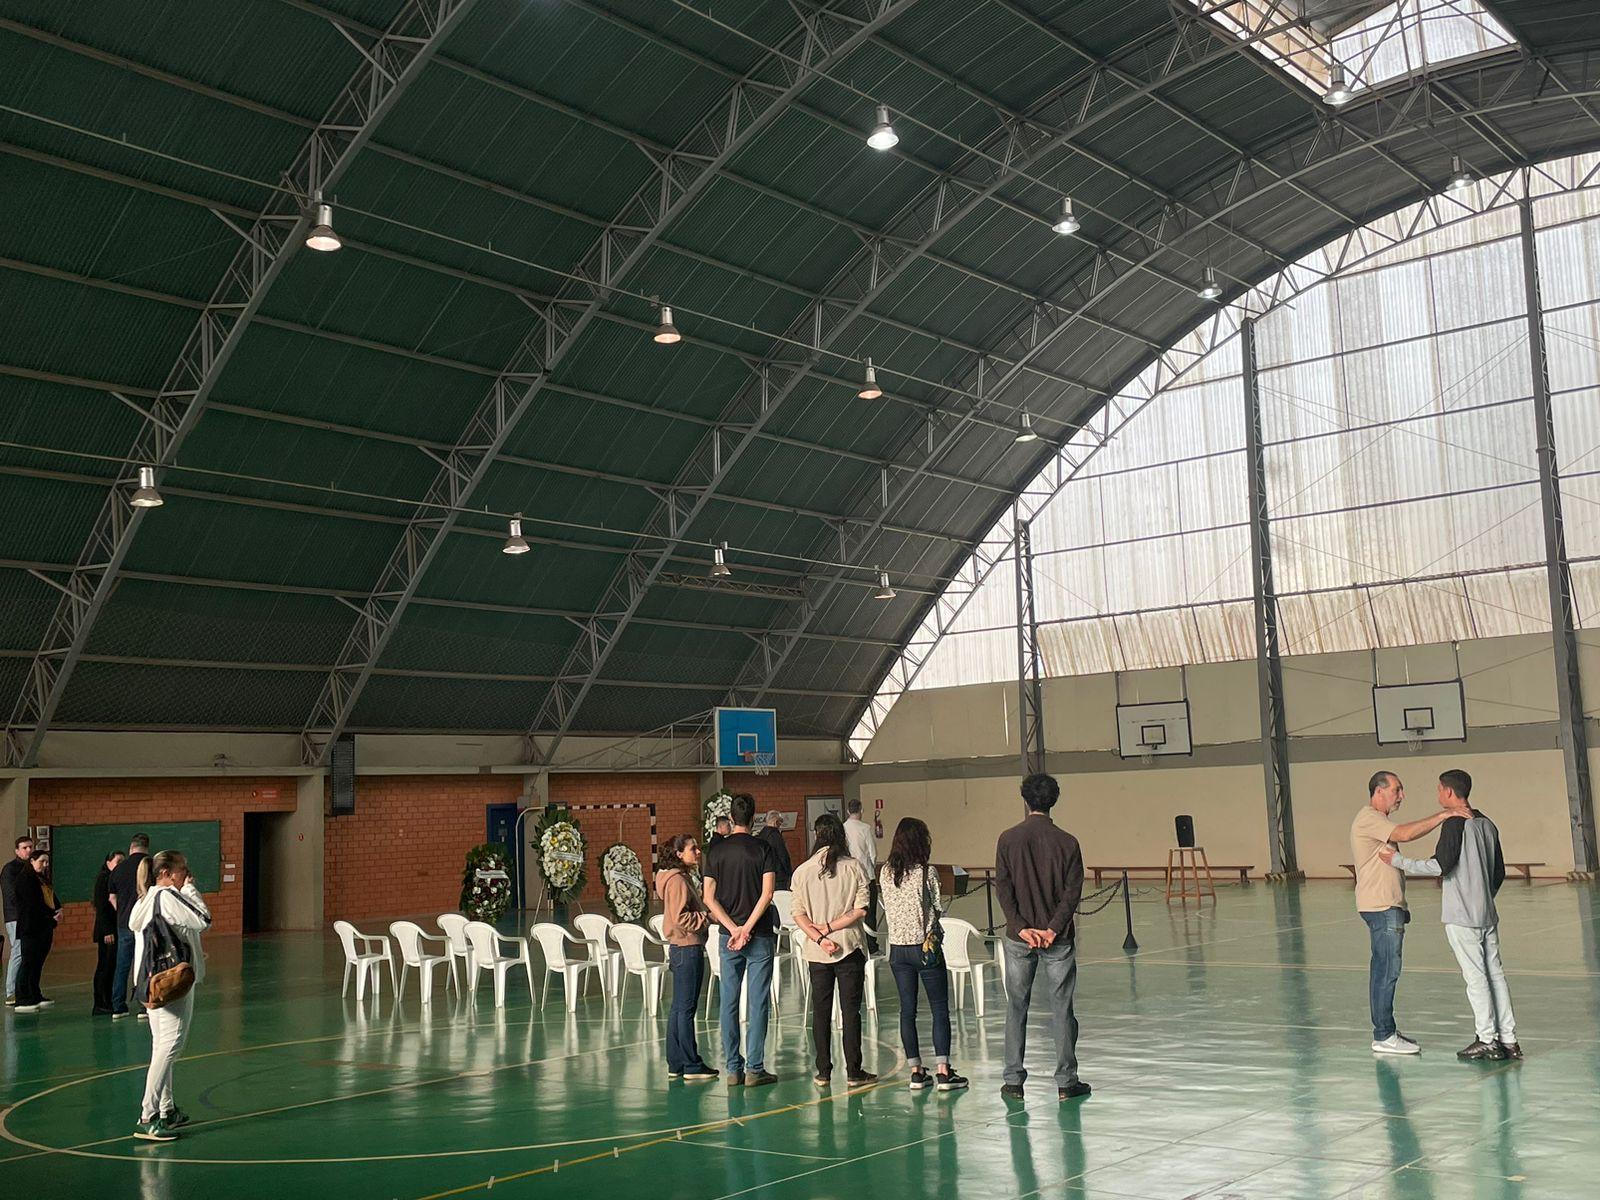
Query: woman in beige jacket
684, 924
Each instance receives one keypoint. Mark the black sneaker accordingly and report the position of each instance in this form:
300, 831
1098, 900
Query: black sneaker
861, 1079
1073, 1090
759, 1078
1011, 1091
119, 1016
735, 1079
950, 1082
174, 1118
822, 1080
153, 1131
699, 1074
1481, 1052
1512, 1049
920, 1079
674, 1074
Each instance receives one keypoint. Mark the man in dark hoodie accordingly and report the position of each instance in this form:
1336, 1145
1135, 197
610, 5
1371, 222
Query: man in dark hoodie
1468, 857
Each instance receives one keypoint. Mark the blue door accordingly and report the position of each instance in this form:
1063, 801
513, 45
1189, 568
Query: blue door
501, 823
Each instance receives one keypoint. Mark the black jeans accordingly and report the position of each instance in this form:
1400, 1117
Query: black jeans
105, 970
906, 963
851, 974
35, 949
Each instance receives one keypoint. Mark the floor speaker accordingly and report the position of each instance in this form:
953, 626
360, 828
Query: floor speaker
1185, 827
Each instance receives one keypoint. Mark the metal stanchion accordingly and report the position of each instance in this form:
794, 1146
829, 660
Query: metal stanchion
1129, 943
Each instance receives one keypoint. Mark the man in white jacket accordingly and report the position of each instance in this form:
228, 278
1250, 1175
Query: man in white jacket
175, 897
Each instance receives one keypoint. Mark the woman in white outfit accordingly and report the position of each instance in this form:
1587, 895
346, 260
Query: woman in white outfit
179, 902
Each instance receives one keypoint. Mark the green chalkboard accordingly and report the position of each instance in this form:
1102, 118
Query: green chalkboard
78, 851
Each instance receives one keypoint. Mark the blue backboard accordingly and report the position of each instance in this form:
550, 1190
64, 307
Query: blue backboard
742, 731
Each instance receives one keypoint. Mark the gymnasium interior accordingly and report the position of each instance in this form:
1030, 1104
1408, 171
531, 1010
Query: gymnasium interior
451, 447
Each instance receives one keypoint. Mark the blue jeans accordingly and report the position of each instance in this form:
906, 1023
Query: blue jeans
1060, 966
754, 962
1388, 930
119, 982
688, 965
14, 961
906, 964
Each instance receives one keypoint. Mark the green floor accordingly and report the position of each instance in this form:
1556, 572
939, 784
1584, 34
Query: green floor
1229, 1059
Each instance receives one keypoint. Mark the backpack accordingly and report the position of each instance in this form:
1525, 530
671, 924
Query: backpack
167, 968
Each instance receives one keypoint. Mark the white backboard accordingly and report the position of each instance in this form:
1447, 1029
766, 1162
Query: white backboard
1432, 712
1149, 730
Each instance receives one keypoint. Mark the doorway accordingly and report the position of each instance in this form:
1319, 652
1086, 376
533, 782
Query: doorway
251, 863
500, 825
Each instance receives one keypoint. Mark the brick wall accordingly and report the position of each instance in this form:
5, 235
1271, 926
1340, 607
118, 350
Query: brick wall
56, 802
786, 791
677, 801
403, 850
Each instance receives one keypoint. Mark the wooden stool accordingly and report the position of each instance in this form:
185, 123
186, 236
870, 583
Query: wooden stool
1190, 862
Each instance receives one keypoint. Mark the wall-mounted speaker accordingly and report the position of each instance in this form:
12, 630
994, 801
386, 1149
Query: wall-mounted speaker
342, 775
1185, 828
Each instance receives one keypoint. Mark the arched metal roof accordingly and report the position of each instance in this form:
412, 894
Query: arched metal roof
341, 437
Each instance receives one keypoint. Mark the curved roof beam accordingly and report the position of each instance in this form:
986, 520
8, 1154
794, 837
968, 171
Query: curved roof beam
824, 37
389, 65
761, 670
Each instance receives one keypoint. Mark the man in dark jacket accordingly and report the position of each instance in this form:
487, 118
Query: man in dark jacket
772, 835
105, 935
1039, 879
9, 874
36, 926
124, 895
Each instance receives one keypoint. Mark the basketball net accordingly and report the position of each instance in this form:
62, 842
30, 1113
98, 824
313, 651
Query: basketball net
759, 762
1413, 740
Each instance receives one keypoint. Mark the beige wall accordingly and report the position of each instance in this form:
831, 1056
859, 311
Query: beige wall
291, 861
948, 756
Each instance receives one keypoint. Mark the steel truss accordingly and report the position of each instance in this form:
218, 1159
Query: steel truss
1030, 666
825, 36
390, 63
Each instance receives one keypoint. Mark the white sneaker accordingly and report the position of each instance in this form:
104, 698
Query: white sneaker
1396, 1043
144, 1016
26, 1008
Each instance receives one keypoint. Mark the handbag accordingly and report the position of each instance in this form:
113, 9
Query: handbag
933, 943
168, 965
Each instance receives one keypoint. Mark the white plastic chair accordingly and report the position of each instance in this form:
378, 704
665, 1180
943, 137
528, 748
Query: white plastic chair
361, 959
408, 936
650, 972
553, 942
658, 926
595, 930
713, 964
454, 926
486, 956
958, 959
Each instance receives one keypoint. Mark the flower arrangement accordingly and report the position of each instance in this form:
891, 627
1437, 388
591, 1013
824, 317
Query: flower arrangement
717, 806
486, 884
561, 848
624, 879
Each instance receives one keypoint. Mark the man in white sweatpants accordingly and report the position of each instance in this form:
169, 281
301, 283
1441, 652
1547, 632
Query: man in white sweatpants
1468, 857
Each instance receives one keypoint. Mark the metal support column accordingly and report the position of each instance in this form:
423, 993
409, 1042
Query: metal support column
1269, 668
1569, 689
1030, 691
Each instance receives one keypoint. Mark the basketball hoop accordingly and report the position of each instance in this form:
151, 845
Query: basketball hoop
761, 763
1413, 740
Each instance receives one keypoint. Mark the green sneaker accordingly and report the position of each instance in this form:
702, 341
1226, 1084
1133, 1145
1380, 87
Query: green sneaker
174, 1117
154, 1131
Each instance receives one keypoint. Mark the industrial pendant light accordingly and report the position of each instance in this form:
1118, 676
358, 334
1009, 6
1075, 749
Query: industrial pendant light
869, 383
883, 136
322, 237
1067, 222
1211, 289
1460, 177
719, 562
666, 332
1338, 93
885, 591
1025, 432
515, 542
146, 495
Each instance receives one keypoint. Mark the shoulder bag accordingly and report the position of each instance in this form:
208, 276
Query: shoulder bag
168, 960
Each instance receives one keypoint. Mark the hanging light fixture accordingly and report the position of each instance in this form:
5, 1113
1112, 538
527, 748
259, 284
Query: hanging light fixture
1338, 93
146, 496
515, 542
869, 383
1025, 431
666, 332
1460, 177
719, 562
885, 590
883, 136
1067, 222
322, 237
1211, 289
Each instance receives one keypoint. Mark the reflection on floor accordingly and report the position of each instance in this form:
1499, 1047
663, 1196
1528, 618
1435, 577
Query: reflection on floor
1229, 1058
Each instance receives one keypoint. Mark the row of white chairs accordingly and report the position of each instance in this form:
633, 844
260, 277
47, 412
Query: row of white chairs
613, 951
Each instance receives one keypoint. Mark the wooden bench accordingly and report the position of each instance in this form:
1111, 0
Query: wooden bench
1161, 872
1525, 869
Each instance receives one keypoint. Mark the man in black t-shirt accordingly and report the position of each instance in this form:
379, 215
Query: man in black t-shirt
124, 895
740, 877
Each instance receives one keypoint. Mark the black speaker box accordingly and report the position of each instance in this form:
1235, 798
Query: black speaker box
1185, 827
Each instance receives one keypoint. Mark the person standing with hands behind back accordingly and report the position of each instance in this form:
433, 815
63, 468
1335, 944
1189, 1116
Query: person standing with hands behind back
126, 888
1039, 879
105, 935
740, 874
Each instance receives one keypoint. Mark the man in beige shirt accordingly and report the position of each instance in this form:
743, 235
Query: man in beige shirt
1381, 900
